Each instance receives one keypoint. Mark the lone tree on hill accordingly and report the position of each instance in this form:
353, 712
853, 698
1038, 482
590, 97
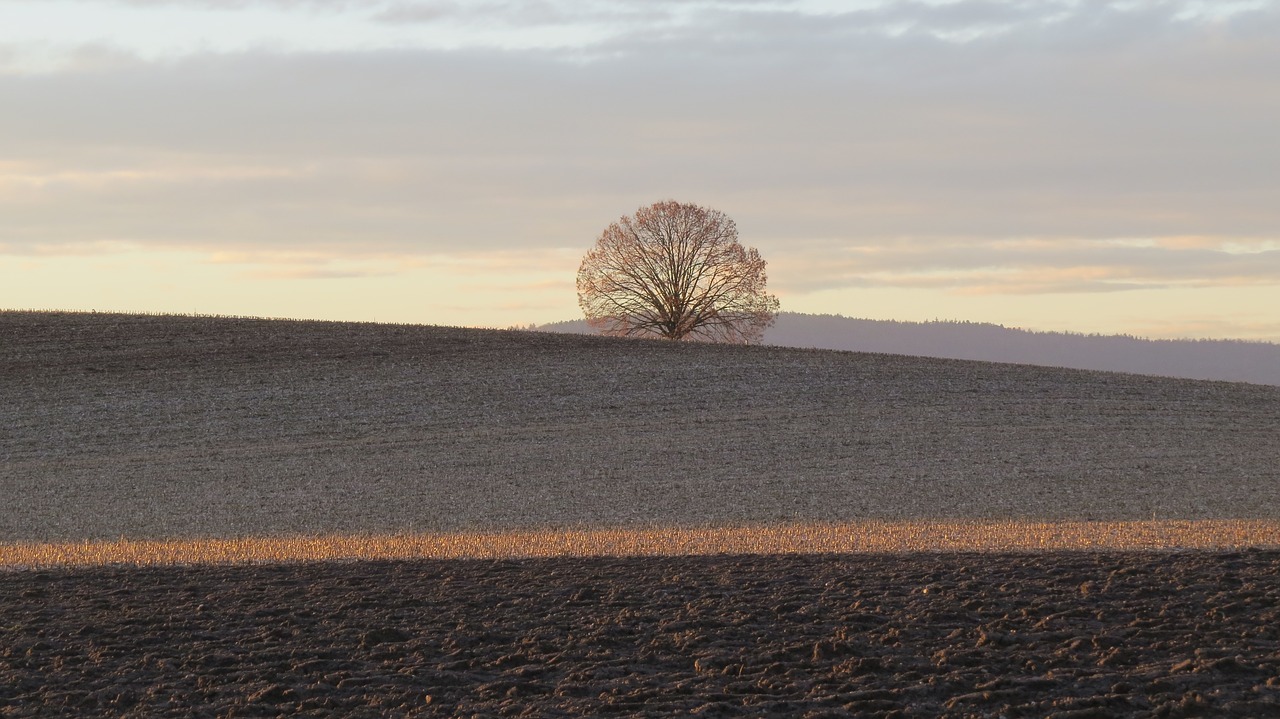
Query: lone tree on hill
677, 271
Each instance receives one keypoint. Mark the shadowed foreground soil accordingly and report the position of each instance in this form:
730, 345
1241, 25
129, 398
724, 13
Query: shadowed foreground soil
1068, 634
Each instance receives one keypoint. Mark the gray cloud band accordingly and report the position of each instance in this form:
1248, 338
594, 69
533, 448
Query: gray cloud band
953, 126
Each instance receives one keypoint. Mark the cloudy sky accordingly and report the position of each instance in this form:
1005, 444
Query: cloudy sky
1086, 166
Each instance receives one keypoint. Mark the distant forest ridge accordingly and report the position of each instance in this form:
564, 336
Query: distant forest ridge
1225, 360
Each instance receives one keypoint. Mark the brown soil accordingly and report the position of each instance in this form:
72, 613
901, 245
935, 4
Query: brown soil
163, 427
921, 635
169, 427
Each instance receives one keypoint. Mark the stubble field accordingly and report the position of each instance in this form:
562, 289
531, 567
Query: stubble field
125, 433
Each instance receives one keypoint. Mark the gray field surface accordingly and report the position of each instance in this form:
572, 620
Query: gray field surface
158, 426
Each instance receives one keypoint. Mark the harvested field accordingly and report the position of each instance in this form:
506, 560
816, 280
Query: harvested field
176, 427
287, 479
1066, 634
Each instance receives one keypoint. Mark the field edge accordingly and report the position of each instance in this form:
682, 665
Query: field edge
806, 538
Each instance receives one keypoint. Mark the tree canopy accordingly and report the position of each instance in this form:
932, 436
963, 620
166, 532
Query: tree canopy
677, 271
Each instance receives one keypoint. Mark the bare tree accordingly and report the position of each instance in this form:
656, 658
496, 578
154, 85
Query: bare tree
677, 271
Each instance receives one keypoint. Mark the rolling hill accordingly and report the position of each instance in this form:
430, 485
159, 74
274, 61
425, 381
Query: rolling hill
162, 426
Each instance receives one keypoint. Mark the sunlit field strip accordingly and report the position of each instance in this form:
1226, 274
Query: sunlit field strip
863, 537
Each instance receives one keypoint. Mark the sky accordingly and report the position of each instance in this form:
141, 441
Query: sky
1108, 167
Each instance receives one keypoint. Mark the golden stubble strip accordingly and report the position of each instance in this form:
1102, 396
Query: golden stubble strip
860, 537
